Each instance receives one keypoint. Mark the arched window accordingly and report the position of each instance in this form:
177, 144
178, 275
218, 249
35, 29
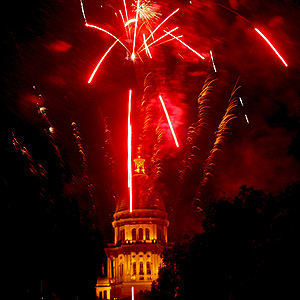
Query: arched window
121, 270
147, 233
133, 234
159, 235
134, 268
140, 233
148, 268
141, 268
112, 268
123, 235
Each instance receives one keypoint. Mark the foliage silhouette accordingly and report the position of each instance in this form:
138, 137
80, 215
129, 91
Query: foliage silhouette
247, 251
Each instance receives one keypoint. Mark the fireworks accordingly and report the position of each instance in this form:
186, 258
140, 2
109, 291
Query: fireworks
100, 61
212, 60
129, 151
141, 31
169, 120
220, 136
241, 101
148, 11
258, 31
146, 47
184, 44
82, 10
135, 28
270, 44
107, 32
144, 11
246, 117
197, 133
165, 20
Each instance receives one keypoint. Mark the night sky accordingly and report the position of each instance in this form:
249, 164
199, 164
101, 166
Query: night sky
45, 45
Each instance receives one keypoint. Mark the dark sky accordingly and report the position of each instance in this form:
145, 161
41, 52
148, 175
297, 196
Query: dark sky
46, 45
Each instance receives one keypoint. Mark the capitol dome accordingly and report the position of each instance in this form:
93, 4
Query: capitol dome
140, 235
148, 211
144, 196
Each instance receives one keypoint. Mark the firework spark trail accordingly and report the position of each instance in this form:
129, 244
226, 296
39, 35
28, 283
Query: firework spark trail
272, 47
26, 154
212, 60
258, 31
129, 150
51, 133
146, 46
169, 121
124, 23
242, 104
247, 120
103, 30
84, 165
166, 19
149, 112
160, 38
121, 14
197, 132
220, 135
100, 61
82, 10
125, 7
236, 13
129, 22
36, 169
135, 28
107, 146
241, 101
203, 112
156, 157
78, 139
187, 46
167, 41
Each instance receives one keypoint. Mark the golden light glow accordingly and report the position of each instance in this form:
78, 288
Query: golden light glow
139, 165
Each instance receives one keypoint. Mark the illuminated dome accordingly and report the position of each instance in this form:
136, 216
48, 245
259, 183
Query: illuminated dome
140, 235
147, 205
144, 197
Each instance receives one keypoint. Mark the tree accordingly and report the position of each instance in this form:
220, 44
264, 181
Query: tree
246, 252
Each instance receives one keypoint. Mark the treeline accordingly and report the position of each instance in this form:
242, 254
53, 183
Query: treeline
247, 251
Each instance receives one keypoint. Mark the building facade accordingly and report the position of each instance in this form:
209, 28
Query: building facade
134, 259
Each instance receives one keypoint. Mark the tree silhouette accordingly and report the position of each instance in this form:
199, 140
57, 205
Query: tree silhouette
246, 252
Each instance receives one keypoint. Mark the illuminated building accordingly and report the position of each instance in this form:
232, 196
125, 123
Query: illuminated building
133, 260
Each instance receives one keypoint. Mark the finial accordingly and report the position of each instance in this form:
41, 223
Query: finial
139, 163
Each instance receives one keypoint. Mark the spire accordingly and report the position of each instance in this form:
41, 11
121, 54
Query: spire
139, 163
